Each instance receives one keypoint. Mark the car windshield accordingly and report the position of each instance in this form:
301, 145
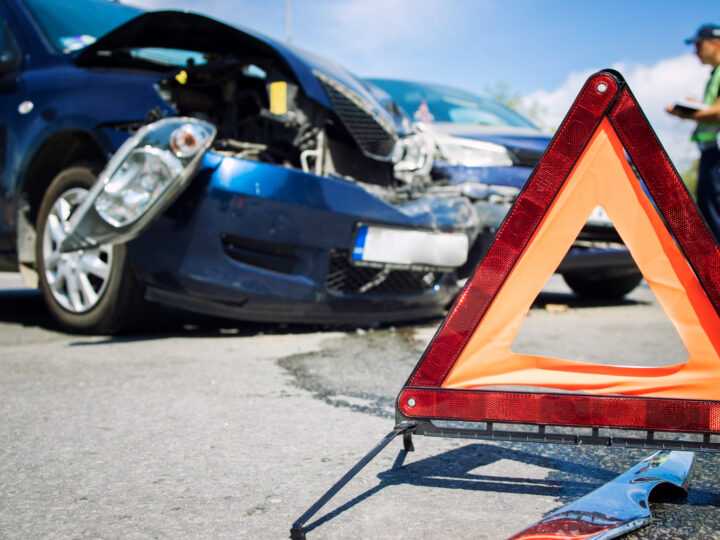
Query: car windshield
435, 103
71, 25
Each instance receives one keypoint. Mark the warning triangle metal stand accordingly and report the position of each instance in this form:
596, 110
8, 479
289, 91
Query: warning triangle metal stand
666, 408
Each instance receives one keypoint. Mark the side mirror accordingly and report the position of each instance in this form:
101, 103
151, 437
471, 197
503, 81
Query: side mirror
10, 54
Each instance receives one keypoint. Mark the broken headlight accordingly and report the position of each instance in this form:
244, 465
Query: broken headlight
470, 153
413, 157
161, 155
144, 176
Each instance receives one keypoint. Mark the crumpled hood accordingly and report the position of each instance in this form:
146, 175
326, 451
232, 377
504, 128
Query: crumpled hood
514, 138
193, 32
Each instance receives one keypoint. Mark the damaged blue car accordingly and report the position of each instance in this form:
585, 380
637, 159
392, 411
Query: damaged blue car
169, 158
488, 152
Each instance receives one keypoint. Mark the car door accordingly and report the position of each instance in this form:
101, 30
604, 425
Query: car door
10, 63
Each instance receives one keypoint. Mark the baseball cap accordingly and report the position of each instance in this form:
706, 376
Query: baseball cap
706, 31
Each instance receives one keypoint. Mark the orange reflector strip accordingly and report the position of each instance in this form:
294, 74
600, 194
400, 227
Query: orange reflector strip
561, 409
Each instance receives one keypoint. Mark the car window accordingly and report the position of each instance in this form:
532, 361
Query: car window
436, 103
71, 25
169, 57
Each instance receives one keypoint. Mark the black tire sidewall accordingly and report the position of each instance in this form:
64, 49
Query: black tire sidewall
600, 286
101, 318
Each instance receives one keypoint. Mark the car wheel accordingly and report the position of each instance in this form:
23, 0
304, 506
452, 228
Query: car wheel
601, 286
91, 290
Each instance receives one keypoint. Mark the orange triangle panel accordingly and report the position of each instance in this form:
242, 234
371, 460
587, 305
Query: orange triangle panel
585, 166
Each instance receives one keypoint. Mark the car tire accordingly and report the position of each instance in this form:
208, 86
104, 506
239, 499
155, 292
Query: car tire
86, 291
601, 286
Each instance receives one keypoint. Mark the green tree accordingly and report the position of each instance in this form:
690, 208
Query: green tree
503, 92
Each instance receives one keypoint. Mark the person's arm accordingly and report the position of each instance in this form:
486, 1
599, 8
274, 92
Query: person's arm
709, 115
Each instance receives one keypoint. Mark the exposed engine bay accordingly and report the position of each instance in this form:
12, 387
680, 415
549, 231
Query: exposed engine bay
262, 115
242, 97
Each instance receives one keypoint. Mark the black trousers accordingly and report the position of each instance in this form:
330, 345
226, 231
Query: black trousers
708, 190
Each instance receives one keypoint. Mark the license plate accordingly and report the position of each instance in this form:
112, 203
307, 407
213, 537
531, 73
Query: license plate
408, 247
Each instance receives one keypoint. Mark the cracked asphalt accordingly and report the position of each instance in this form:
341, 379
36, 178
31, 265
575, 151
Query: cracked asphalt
205, 428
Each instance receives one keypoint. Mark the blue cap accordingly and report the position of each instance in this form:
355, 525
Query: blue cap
706, 31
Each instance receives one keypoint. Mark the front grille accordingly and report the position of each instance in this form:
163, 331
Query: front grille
344, 278
369, 134
525, 158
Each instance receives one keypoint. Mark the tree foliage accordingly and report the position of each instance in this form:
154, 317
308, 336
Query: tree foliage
502, 91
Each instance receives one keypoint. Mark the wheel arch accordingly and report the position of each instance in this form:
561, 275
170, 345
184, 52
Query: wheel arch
57, 152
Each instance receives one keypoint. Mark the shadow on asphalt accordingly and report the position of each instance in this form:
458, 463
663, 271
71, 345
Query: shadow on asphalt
454, 470
575, 302
26, 307
567, 481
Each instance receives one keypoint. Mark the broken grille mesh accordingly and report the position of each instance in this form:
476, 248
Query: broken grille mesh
344, 278
366, 131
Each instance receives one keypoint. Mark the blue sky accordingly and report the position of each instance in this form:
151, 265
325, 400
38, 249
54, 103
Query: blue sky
542, 49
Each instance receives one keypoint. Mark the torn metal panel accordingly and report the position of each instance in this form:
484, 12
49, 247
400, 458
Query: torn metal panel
619, 506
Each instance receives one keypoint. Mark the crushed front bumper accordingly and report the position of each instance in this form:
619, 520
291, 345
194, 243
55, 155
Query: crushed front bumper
598, 248
259, 242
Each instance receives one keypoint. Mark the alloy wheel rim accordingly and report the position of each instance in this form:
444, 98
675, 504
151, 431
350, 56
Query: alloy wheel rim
78, 279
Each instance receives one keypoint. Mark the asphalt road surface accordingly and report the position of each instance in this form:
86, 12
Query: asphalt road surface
204, 428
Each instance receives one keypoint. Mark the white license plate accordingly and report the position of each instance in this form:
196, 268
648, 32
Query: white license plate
409, 247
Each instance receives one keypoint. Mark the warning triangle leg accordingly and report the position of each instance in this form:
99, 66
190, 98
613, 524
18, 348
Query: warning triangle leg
298, 528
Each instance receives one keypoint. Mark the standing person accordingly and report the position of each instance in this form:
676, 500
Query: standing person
707, 48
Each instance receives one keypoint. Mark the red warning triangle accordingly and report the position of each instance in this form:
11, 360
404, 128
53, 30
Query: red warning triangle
585, 166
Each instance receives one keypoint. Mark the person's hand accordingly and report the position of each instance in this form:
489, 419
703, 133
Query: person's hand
680, 113
670, 109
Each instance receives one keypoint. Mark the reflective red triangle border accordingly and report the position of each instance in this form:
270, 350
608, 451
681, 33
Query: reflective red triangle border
604, 95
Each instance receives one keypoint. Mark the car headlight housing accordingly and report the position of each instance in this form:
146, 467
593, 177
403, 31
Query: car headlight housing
144, 177
492, 193
413, 157
158, 157
471, 153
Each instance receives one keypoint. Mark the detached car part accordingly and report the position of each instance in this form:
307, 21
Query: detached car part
620, 506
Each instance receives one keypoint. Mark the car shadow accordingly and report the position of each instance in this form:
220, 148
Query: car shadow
545, 299
25, 307
171, 323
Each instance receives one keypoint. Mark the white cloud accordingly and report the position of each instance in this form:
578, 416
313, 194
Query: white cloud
654, 87
374, 24
382, 37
